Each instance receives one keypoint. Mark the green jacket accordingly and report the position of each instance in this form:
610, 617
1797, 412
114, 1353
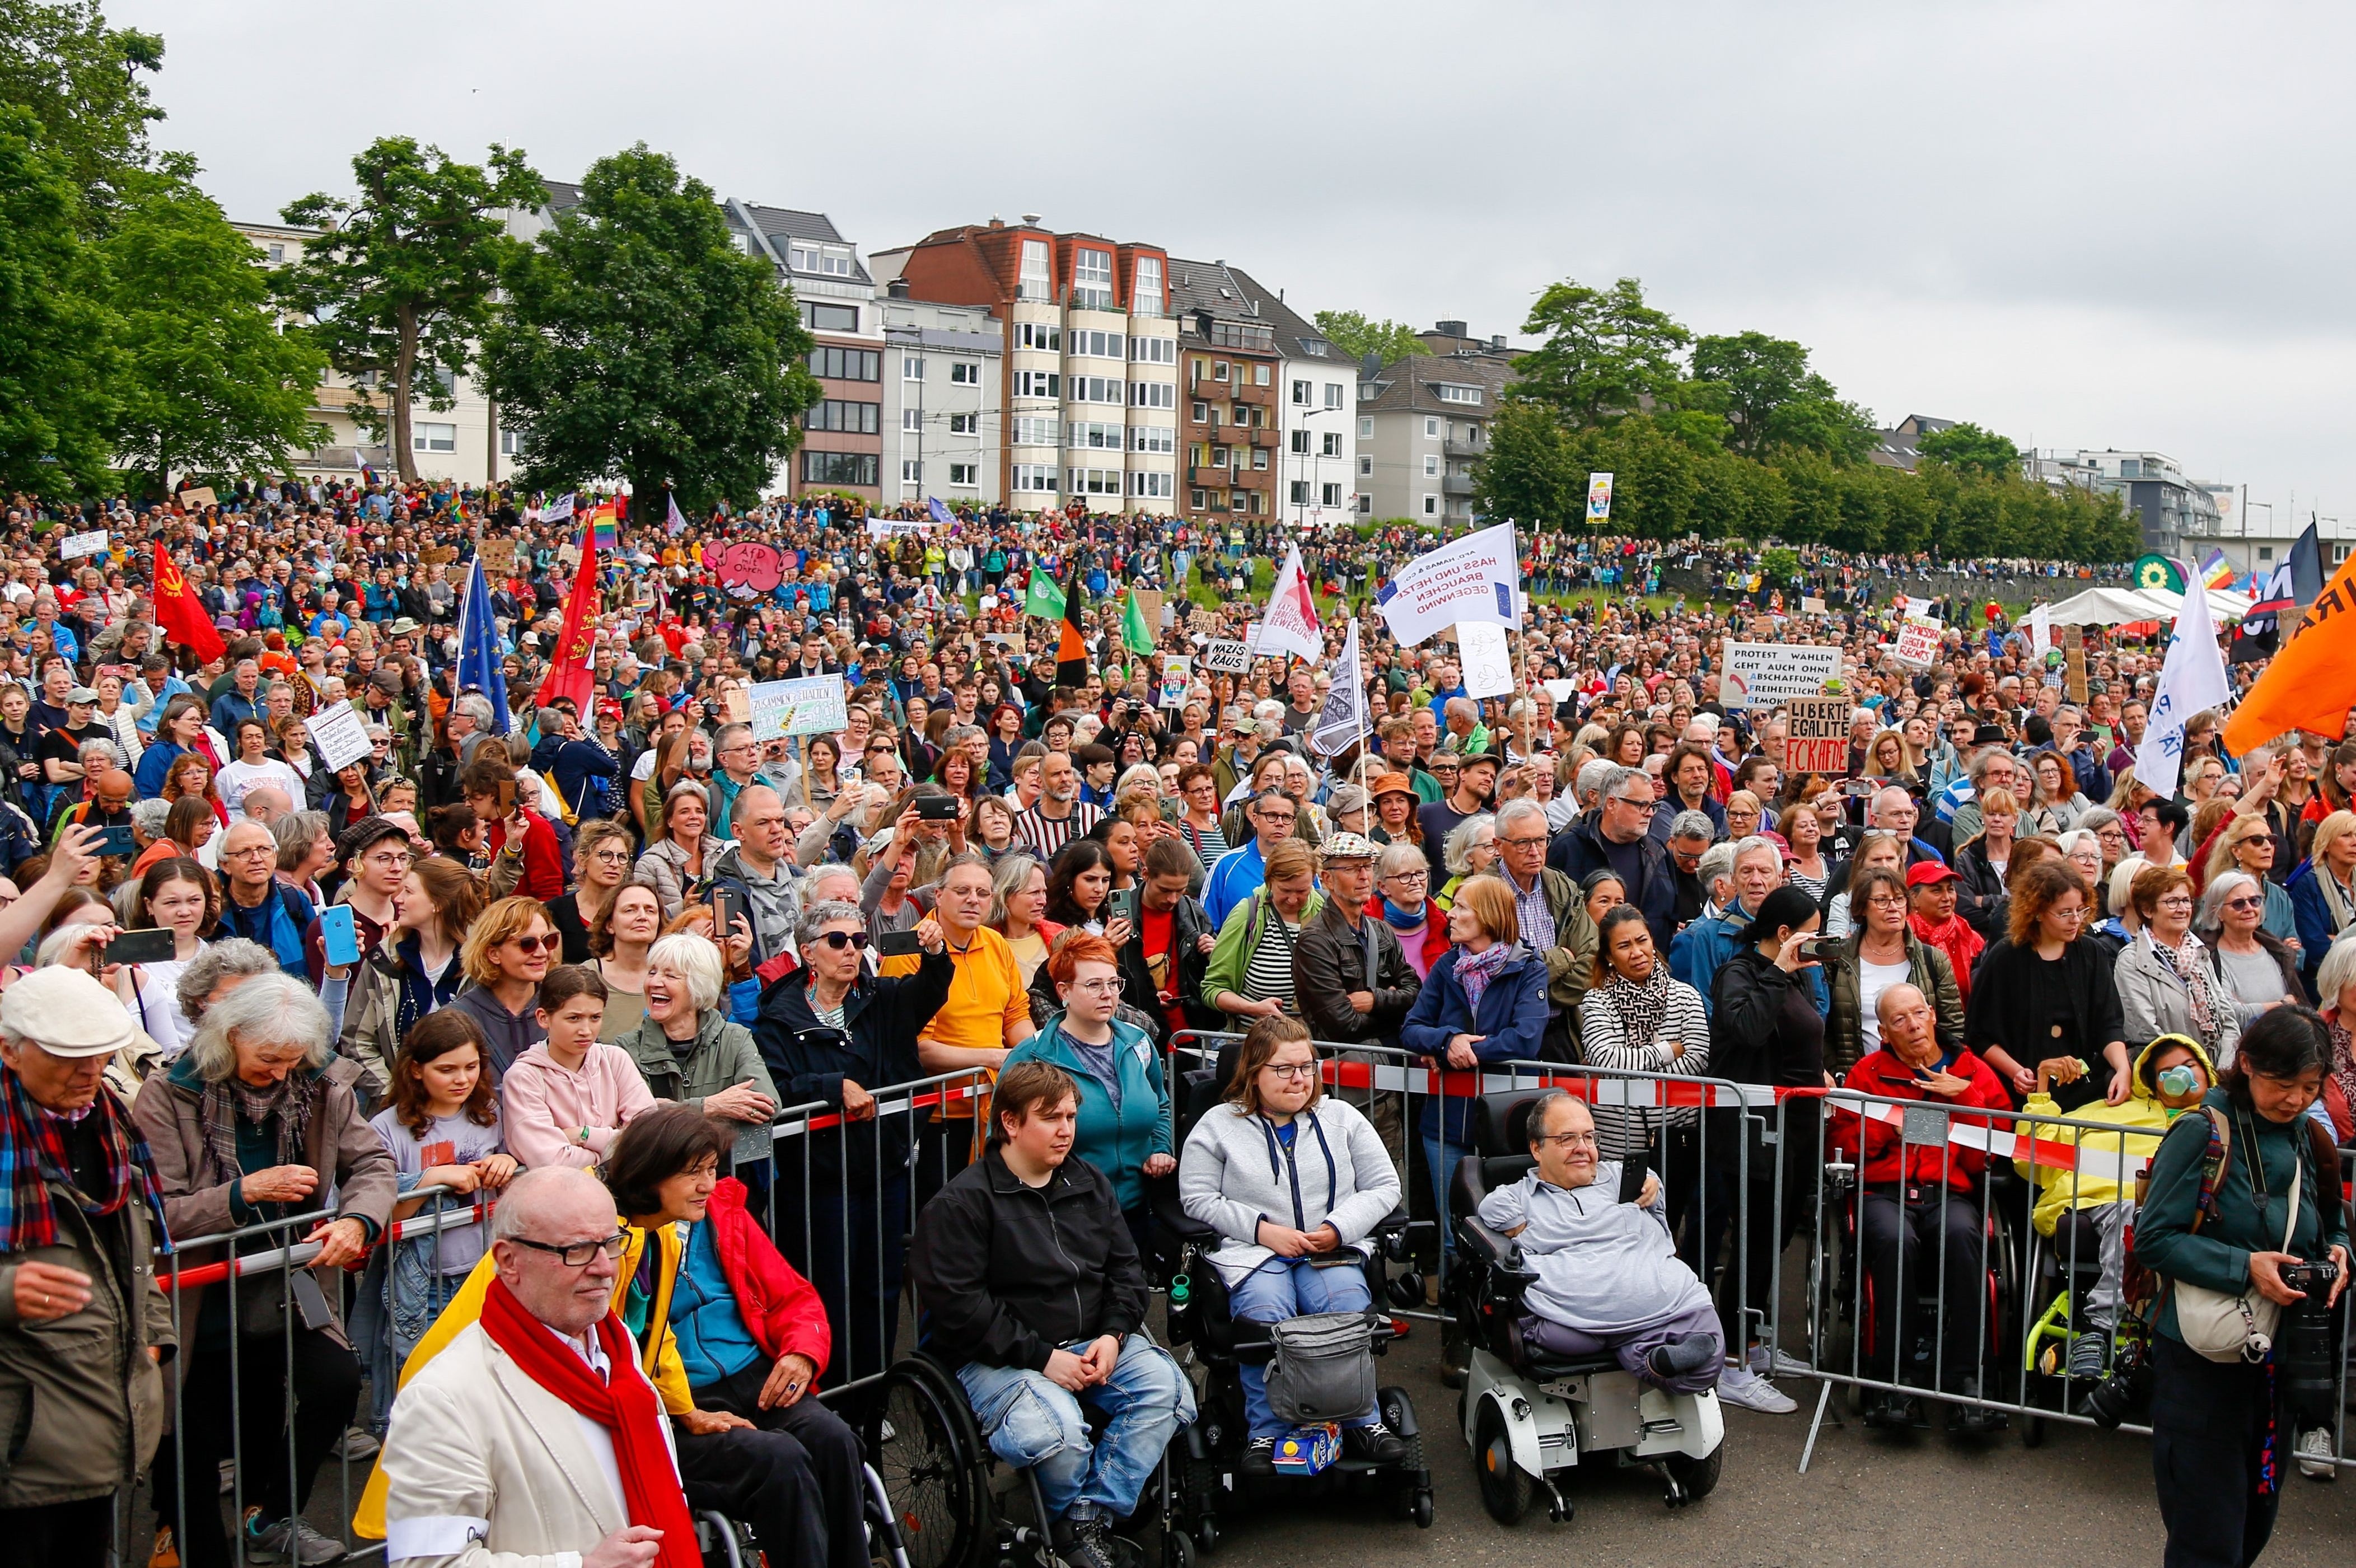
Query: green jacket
722, 1054
1117, 1142
1927, 970
1231, 954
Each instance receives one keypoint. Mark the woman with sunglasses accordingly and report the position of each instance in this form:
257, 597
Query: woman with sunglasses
832, 1032
506, 955
2249, 966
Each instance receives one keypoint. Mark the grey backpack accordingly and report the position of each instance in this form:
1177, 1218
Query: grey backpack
1323, 1368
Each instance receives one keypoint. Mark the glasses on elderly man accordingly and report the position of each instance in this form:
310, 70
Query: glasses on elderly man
576, 1255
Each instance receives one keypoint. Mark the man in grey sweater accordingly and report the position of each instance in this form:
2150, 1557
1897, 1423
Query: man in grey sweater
1609, 1277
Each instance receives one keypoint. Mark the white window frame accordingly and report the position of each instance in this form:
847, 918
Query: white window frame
965, 373
1430, 429
1332, 447
1300, 394
965, 475
433, 435
965, 424
1331, 495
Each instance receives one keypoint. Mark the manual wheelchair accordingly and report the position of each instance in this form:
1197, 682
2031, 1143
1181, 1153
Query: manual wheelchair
1529, 1418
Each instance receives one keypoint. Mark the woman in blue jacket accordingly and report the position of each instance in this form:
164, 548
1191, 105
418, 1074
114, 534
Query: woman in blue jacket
1124, 1125
1485, 1000
2320, 895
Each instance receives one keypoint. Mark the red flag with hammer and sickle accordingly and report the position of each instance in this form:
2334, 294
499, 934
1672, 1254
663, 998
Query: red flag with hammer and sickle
183, 620
568, 673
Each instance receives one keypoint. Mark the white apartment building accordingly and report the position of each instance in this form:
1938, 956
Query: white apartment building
942, 396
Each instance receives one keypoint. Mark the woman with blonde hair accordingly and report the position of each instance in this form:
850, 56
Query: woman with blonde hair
507, 953
2247, 844
2321, 893
1251, 971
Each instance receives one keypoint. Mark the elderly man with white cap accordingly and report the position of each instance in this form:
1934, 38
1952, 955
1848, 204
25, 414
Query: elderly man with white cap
82, 1324
1350, 975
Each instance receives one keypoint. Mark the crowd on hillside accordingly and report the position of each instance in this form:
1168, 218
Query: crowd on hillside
511, 937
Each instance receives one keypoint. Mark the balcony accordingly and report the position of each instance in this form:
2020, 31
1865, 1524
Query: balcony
1265, 435
1464, 449
1456, 484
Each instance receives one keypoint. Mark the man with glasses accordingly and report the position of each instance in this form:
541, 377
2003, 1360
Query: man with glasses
757, 863
1475, 778
735, 754
1619, 837
257, 905
374, 853
532, 1434
1349, 974
1239, 872
1553, 919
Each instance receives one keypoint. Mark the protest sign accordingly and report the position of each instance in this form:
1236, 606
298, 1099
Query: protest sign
1761, 674
812, 706
1811, 606
1488, 668
76, 546
1229, 657
1817, 740
198, 496
1918, 643
2073, 654
497, 555
1471, 579
340, 736
877, 528
1599, 497
1174, 684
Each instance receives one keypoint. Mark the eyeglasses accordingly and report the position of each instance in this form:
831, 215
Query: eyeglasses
1568, 1140
576, 1255
611, 857
1097, 987
1526, 841
838, 940
532, 944
250, 849
2245, 903
389, 862
1410, 878
1293, 1070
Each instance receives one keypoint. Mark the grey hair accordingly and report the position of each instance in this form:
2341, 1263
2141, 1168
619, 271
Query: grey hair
1399, 854
1455, 851
1979, 765
1692, 825
1716, 864
826, 912
1533, 1128
269, 1009
1621, 778
147, 816
1006, 879
2338, 969
695, 959
475, 706
2070, 841
1591, 777
2098, 819
295, 833
2213, 898
96, 747
1514, 810
726, 733
520, 1201
550, 720
230, 956
1753, 845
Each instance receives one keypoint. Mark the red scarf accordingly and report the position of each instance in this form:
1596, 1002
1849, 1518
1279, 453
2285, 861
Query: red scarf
1955, 938
628, 1407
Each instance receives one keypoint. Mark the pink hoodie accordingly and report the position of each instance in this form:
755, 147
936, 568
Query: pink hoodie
541, 1103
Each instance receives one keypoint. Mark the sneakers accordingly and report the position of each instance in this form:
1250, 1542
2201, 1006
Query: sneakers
1778, 1364
2090, 1354
2315, 1454
1259, 1457
166, 1553
1744, 1389
359, 1444
292, 1540
1084, 1542
1377, 1443
1975, 1418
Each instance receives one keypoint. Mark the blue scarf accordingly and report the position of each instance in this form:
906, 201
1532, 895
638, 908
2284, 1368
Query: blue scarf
1399, 920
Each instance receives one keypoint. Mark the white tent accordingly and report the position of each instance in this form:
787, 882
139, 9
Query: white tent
2111, 606
2226, 606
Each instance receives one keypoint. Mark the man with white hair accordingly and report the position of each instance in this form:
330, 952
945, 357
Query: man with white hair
1701, 948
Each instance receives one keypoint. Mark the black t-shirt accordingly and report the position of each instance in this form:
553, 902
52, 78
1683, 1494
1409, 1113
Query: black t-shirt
65, 745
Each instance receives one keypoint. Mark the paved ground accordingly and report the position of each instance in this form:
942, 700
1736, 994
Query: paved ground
2085, 1498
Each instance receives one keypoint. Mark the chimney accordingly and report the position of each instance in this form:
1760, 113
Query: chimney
896, 289
1448, 328
996, 221
1370, 367
1497, 344
1031, 219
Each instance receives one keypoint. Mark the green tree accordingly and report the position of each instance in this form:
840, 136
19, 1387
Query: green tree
57, 349
206, 381
1357, 336
1526, 472
638, 340
1969, 449
399, 286
1771, 398
80, 82
1605, 353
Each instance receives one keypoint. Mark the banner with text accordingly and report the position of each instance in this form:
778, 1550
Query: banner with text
1761, 674
1817, 741
812, 706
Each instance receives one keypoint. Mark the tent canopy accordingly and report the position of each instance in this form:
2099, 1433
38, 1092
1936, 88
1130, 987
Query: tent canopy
2113, 606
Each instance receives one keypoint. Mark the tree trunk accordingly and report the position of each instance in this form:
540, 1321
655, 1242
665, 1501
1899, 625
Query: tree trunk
404, 360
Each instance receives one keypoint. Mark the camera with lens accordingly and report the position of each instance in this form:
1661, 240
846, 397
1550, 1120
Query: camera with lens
2118, 1392
2311, 1279
2305, 1346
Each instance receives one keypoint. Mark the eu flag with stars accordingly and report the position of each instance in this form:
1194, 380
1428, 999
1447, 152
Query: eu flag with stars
480, 663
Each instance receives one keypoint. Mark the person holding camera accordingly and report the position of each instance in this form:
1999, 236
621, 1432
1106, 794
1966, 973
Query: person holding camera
2244, 1223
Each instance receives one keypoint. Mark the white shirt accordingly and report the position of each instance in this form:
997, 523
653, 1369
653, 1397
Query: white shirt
1872, 979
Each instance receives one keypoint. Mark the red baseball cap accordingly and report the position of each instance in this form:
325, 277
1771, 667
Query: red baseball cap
1922, 873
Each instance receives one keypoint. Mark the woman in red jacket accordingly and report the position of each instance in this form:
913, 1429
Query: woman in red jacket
1919, 1218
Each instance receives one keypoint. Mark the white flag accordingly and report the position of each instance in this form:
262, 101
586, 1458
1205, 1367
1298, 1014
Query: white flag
559, 510
2192, 678
1343, 722
676, 524
1475, 577
1292, 623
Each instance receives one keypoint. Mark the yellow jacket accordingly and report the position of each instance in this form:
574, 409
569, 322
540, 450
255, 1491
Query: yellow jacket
2107, 1162
657, 1346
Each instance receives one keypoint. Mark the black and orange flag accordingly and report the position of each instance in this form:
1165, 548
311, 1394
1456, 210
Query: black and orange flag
2311, 683
1071, 648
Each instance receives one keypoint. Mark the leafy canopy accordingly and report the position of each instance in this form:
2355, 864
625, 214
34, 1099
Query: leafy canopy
1357, 336
1603, 353
1968, 449
80, 82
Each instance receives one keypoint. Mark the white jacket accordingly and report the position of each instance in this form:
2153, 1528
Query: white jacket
1233, 1173
483, 1468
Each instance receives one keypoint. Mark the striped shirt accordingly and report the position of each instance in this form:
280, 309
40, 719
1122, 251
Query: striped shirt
1043, 836
1207, 845
1530, 909
1604, 1041
1270, 973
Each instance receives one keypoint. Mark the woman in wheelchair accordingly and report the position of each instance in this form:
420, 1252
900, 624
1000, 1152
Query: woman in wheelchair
1029, 1285
1915, 1197
1279, 1147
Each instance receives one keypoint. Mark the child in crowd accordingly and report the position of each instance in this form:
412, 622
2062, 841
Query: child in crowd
564, 1100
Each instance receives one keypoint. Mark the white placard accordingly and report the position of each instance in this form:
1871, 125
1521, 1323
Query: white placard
1918, 643
1762, 675
76, 546
1229, 658
812, 706
339, 735
1174, 684
1488, 668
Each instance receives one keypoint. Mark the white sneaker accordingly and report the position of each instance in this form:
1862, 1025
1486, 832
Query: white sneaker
2315, 1454
1742, 1386
1779, 1364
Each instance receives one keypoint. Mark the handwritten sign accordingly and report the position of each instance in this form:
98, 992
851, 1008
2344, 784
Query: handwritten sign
497, 556
340, 736
1488, 668
196, 496
76, 546
1230, 657
1174, 684
812, 706
1918, 643
1762, 674
1817, 741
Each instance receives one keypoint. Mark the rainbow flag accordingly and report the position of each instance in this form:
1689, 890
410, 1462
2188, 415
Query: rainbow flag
2215, 571
603, 533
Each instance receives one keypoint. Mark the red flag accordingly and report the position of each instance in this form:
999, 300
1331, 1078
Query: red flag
182, 619
568, 674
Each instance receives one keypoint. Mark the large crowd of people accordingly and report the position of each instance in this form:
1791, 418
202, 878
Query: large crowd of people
582, 955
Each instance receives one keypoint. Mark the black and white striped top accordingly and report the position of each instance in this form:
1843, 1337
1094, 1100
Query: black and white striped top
1043, 836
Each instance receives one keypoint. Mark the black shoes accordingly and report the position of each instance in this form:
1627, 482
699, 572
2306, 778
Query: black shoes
1377, 1443
1259, 1457
1085, 1543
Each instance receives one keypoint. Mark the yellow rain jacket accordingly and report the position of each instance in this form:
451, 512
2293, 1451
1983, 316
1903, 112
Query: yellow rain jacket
2107, 1162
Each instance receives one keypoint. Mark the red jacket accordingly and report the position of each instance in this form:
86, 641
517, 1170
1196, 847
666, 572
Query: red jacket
780, 1306
543, 864
1887, 1158
1435, 930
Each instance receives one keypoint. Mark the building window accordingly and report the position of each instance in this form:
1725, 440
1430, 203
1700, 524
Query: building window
1260, 458
965, 475
1450, 393
1157, 487
1092, 282
1101, 437
1218, 370
802, 256
1301, 438
1099, 390
847, 364
445, 378
1200, 412
830, 317
1333, 447
1195, 499
835, 263
1431, 505
1035, 283
912, 368
1261, 377
965, 424
1038, 384
277, 253
840, 467
1153, 394
1098, 345
1145, 290
1029, 431
1365, 467
1333, 394
912, 471
852, 419
1093, 482
1299, 492
1432, 430
964, 373
427, 436
1153, 438
1037, 335
1331, 495
1365, 430
1153, 351
1218, 457
912, 419
1430, 467
1238, 416
510, 443
1034, 478
1300, 394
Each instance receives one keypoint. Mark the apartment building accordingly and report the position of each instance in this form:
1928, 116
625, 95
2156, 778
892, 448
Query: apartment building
2178, 516
1423, 421
1089, 398
942, 392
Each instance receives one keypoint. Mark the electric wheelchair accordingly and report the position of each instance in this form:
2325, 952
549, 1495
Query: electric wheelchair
725, 1542
1531, 1418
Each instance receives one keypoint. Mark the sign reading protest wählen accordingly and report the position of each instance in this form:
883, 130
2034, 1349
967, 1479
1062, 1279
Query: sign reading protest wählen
812, 706
1761, 674
1817, 740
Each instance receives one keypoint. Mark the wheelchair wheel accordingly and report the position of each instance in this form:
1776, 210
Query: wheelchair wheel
932, 1465
1505, 1487
1696, 1479
1177, 1551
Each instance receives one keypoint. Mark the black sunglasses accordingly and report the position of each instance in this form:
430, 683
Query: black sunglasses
838, 940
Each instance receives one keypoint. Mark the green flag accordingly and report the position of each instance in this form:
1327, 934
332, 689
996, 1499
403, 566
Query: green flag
1134, 633
1045, 599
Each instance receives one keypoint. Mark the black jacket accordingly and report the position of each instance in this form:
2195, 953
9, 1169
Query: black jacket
875, 1047
1763, 1024
1189, 920
1578, 849
1329, 963
1005, 1273
1979, 890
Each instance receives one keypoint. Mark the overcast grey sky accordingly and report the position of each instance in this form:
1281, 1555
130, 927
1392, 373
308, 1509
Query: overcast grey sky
2097, 225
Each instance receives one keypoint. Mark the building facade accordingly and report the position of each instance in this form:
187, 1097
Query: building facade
1231, 429
1423, 423
2177, 514
943, 389
1317, 432
1089, 403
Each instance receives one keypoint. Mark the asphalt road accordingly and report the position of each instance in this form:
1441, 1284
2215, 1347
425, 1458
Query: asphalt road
1869, 1498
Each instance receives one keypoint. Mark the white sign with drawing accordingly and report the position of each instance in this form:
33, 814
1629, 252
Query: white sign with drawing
1762, 675
1488, 666
812, 706
340, 735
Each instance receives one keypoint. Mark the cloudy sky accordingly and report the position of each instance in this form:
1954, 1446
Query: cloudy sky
2085, 225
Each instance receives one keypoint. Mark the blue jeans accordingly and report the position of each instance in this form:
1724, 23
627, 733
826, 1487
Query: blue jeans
1035, 1424
1290, 1287
1441, 1156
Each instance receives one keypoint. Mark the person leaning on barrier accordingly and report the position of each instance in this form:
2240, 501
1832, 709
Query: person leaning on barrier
1350, 977
1882, 951
832, 1033
689, 1049
1609, 1279
2041, 992
257, 1122
82, 1324
1024, 1268
1554, 923
1918, 1213
1639, 1019
1287, 1176
2215, 1215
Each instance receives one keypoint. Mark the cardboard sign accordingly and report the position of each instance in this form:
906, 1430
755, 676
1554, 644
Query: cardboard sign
198, 496
1811, 606
1761, 674
437, 555
1229, 658
1150, 601
1817, 740
812, 706
76, 546
339, 735
497, 556
1918, 643
2074, 656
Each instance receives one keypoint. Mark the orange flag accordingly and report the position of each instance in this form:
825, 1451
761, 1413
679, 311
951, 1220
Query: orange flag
183, 620
2311, 684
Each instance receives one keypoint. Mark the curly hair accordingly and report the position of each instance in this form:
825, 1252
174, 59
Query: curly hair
2039, 888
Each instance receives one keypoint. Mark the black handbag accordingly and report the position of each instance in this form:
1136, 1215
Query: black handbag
262, 1302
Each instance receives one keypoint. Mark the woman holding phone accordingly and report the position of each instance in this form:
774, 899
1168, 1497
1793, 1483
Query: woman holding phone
177, 897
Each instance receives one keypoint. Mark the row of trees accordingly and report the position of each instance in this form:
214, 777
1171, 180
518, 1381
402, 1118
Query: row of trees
1736, 437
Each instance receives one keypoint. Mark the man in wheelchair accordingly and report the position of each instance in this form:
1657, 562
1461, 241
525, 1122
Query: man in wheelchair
1609, 1278
1024, 1267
